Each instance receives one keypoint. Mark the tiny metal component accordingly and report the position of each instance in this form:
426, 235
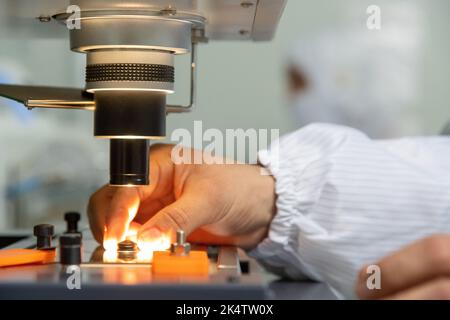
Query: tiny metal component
181, 237
127, 245
72, 219
127, 250
180, 247
44, 234
70, 249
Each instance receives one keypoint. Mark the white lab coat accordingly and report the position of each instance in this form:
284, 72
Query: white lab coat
345, 201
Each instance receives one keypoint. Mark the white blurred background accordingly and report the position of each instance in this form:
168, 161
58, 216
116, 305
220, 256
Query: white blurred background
50, 162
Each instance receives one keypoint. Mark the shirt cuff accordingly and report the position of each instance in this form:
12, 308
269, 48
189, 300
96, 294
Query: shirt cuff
275, 250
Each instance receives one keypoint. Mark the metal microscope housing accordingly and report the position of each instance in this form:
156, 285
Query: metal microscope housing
130, 48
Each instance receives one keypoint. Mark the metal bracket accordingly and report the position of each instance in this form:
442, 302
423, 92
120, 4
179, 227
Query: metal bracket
60, 104
193, 91
48, 97
70, 98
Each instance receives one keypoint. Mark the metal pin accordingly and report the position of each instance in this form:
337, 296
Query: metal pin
181, 237
127, 250
180, 247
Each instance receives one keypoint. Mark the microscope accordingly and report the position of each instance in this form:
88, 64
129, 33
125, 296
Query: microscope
130, 49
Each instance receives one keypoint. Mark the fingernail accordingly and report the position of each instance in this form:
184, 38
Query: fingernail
150, 235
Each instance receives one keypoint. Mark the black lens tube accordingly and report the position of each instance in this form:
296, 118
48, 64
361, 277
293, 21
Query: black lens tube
130, 118
129, 162
130, 113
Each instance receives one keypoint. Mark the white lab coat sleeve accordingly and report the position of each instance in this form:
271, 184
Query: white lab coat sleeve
344, 201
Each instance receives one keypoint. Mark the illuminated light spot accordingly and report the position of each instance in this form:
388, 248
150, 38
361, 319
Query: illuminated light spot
129, 278
147, 247
110, 256
145, 256
110, 245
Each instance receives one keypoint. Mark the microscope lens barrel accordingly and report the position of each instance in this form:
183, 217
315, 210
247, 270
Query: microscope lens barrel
129, 119
129, 162
130, 114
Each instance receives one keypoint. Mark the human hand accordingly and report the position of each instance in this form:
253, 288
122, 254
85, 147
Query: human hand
418, 272
218, 203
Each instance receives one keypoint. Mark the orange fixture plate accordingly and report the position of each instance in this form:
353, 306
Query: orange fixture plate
15, 257
194, 264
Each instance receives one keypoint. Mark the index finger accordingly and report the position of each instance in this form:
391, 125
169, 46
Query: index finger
125, 203
123, 208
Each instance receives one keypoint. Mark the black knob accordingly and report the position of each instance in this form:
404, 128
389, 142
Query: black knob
70, 249
72, 219
44, 234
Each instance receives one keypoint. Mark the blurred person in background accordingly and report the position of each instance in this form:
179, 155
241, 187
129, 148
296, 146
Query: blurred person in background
349, 78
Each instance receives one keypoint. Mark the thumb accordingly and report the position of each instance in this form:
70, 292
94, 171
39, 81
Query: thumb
188, 213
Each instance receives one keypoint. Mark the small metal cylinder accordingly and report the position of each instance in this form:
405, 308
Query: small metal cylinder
129, 162
127, 250
181, 237
128, 246
70, 249
180, 247
44, 234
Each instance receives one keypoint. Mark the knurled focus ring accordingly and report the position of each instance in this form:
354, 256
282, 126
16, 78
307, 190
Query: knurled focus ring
130, 72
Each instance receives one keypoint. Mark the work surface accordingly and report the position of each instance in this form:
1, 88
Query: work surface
135, 281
